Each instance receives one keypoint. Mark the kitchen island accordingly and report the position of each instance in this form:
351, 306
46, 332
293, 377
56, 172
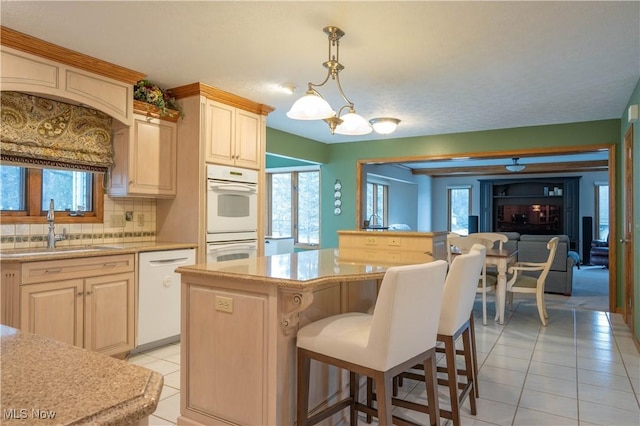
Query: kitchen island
239, 323
49, 382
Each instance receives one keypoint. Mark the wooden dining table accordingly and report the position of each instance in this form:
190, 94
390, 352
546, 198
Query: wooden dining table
501, 258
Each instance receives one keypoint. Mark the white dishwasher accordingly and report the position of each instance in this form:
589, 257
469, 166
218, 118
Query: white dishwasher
159, 296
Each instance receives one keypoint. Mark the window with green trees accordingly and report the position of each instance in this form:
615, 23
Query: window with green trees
294, 206
25, 194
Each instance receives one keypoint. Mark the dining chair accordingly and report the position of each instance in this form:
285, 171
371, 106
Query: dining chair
487, 282
525, 281
455, 322
400, 333
494, 237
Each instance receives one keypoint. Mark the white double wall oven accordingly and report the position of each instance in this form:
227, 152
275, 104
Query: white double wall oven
232, 213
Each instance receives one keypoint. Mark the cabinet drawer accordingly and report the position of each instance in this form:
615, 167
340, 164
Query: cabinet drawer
55, 270
385, 241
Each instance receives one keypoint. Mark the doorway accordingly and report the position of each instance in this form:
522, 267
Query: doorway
550, 167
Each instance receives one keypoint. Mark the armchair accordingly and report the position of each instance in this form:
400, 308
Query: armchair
600, 252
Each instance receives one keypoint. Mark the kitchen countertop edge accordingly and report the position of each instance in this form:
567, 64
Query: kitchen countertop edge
29, 360
110, 249
290, 283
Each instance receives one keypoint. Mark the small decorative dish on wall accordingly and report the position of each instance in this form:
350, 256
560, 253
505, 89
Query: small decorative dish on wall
337, 194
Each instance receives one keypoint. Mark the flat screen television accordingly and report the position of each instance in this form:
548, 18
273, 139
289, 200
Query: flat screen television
542, 219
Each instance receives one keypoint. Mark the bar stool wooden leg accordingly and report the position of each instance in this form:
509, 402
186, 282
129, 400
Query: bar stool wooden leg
468, 361
384, 392
474, 355
369, 397
431, 380
452, 376
304, 371
354, 387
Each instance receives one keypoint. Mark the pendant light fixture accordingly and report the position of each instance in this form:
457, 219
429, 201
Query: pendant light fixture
312, 106
384, 125
515, 167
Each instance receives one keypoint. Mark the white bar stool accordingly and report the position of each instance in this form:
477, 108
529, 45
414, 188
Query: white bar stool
400, 333
455, 322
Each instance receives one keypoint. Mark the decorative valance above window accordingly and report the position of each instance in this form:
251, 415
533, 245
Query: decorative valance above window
46, 133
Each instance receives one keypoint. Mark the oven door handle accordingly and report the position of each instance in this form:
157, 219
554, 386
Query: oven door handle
231, 187
250, 246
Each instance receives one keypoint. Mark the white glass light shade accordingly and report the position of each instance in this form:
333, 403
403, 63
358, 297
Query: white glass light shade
515, 167
384, 125
311, 107
353, 125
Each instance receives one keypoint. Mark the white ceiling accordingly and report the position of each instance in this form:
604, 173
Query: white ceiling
440, 67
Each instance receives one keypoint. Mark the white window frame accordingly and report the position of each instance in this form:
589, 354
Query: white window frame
596, 225
385, 201
294, 200
449, 206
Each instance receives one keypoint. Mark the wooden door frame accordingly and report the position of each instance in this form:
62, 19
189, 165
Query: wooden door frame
627, 231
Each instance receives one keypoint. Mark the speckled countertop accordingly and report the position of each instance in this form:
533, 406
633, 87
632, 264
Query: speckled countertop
49, 382
301, 270
63, 252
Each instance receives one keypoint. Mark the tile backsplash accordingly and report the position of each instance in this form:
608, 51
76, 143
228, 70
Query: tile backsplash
141, 227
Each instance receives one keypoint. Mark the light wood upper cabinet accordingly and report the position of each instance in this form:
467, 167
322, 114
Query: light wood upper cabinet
145, 159
86, 302
106, 87
233, 136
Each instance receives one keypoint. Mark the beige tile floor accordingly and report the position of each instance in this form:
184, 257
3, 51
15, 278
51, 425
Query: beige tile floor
582, 369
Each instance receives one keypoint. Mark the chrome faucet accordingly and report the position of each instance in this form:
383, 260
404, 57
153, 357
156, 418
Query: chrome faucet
52, 237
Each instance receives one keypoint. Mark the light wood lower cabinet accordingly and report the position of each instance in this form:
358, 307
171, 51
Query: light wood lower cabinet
236, 343
392, 246
54, 310
109, 320
94, 310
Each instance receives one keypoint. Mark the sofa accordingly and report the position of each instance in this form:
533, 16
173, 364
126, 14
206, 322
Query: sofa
533, 248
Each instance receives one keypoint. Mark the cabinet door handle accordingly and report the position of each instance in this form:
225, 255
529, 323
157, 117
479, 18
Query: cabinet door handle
52, 271
89, 293
80, 293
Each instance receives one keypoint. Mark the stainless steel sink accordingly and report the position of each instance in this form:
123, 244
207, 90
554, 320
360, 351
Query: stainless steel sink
42, 251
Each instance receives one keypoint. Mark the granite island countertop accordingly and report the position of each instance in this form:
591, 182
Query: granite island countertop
300, 270
73, 251
49, 382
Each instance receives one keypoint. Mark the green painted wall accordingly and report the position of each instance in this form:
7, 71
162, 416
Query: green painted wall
292, 146
633, 100
274, 161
